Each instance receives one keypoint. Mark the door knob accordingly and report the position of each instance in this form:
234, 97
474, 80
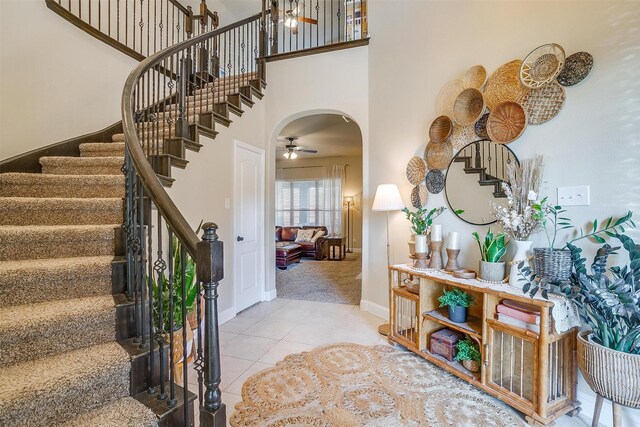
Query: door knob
239, 238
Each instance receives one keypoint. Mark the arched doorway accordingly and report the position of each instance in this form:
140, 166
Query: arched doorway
317, 204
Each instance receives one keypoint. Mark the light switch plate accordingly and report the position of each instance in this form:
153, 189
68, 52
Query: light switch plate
574, 196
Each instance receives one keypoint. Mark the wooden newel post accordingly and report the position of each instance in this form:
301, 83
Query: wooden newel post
210, 268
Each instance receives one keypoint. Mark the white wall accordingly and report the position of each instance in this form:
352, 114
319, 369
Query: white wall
310, 85
56, 82
418, 46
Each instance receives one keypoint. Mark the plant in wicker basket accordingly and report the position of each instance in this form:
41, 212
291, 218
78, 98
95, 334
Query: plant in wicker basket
468, 353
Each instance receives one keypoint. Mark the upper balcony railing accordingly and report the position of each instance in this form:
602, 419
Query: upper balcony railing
294, 27
138, 28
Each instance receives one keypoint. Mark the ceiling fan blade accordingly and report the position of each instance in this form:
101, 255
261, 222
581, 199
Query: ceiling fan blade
308, 151
308, 20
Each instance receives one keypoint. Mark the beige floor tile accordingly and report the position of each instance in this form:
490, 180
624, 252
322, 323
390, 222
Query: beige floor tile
238, 324
292, 312
263, 309
282, 349
271, 327
226, 336
312, 334
230, 401
236, 386
246, 347
232, 368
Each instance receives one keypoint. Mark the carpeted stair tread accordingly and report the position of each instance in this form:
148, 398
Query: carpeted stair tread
59, 211
56, 241
63, 165
102, 149
29, 281
55, 389
32, 331
125, 412
15, 184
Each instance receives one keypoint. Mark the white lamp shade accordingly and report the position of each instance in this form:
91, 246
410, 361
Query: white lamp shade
387, 198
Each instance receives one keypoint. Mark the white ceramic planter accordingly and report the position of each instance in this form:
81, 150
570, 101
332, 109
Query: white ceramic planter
522, 254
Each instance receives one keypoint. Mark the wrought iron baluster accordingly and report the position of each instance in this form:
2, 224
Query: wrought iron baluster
185, 325
151, 389
160, 267
141, 265
172, 377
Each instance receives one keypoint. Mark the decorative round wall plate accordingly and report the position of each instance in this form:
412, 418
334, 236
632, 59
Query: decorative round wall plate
440, 129
447, 96
419, 196
468, 107
474, 77
542, 65
435, 181
481, 126
461, 136
504, 85
506, 122
438, 154
416, 170
576, 68
543, 104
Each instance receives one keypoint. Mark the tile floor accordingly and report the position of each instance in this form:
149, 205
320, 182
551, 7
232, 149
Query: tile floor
265, 333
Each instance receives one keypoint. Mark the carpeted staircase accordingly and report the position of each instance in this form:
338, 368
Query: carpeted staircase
60, 361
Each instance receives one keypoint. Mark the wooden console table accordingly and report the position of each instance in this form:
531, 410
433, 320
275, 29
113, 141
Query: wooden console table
535, 373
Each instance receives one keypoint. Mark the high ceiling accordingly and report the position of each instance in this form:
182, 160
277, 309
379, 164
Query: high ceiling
330, 134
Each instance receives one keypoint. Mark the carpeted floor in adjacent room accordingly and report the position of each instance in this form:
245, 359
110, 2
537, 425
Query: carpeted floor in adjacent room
323, 281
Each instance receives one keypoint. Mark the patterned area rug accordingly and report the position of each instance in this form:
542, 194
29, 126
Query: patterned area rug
353, 385
323, 281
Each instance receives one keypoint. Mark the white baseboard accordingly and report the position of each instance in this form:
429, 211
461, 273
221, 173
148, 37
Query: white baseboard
375, 309
226, 315
270, 295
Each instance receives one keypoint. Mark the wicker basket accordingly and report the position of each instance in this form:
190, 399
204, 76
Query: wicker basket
612, 374
552, 264
468, 107
438, 155
440, 129
506, 122
475, 77
416, 170
504, 85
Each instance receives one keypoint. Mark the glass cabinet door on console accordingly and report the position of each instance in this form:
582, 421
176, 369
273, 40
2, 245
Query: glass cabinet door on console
512, 362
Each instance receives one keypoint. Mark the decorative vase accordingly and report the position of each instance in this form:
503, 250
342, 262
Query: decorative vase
552, 264
471, 365
522, 254
619, 384
457, 313
492, 271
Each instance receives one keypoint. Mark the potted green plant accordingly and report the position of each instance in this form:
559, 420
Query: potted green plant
609, 304
421, 220
492, 249
468, 352
458, 302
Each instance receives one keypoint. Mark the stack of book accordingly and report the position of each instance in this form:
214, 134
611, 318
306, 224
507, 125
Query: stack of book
519, 314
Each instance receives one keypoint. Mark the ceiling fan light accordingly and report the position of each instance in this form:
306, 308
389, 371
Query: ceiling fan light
293, 155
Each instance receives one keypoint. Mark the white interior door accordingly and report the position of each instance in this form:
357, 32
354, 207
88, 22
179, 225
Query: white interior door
249, 225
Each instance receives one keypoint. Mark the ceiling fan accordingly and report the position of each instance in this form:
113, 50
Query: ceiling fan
292, 15
291, 148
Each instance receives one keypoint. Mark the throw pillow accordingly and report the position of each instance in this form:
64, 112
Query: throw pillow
304, 235
319, 234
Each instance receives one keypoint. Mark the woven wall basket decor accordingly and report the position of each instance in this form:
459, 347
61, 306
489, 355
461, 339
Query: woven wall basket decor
435, 181
576, 68
506, 122
419, 196
543, 104
461, 136
416, 170
440, 129
468, 107
474, 77
542, 65
504, 85
447, 96
438, 154
481, 126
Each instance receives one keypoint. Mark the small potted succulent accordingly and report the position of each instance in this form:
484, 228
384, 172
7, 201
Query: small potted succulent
468, 352
492, 249
458, 302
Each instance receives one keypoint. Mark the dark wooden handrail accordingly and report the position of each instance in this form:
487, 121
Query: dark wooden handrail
146, 174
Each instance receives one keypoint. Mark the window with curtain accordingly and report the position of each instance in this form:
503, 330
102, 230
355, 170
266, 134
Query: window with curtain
311, 201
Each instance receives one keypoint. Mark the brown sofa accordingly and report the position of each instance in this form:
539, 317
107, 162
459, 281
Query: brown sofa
314, 250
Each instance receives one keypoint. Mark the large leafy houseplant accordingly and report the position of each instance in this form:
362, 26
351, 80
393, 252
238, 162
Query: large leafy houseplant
421, 220
492, 247
189, 283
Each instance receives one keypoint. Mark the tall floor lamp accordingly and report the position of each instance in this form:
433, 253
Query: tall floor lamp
387, 199
348, 200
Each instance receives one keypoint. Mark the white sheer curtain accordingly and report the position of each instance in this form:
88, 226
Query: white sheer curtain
333, 188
